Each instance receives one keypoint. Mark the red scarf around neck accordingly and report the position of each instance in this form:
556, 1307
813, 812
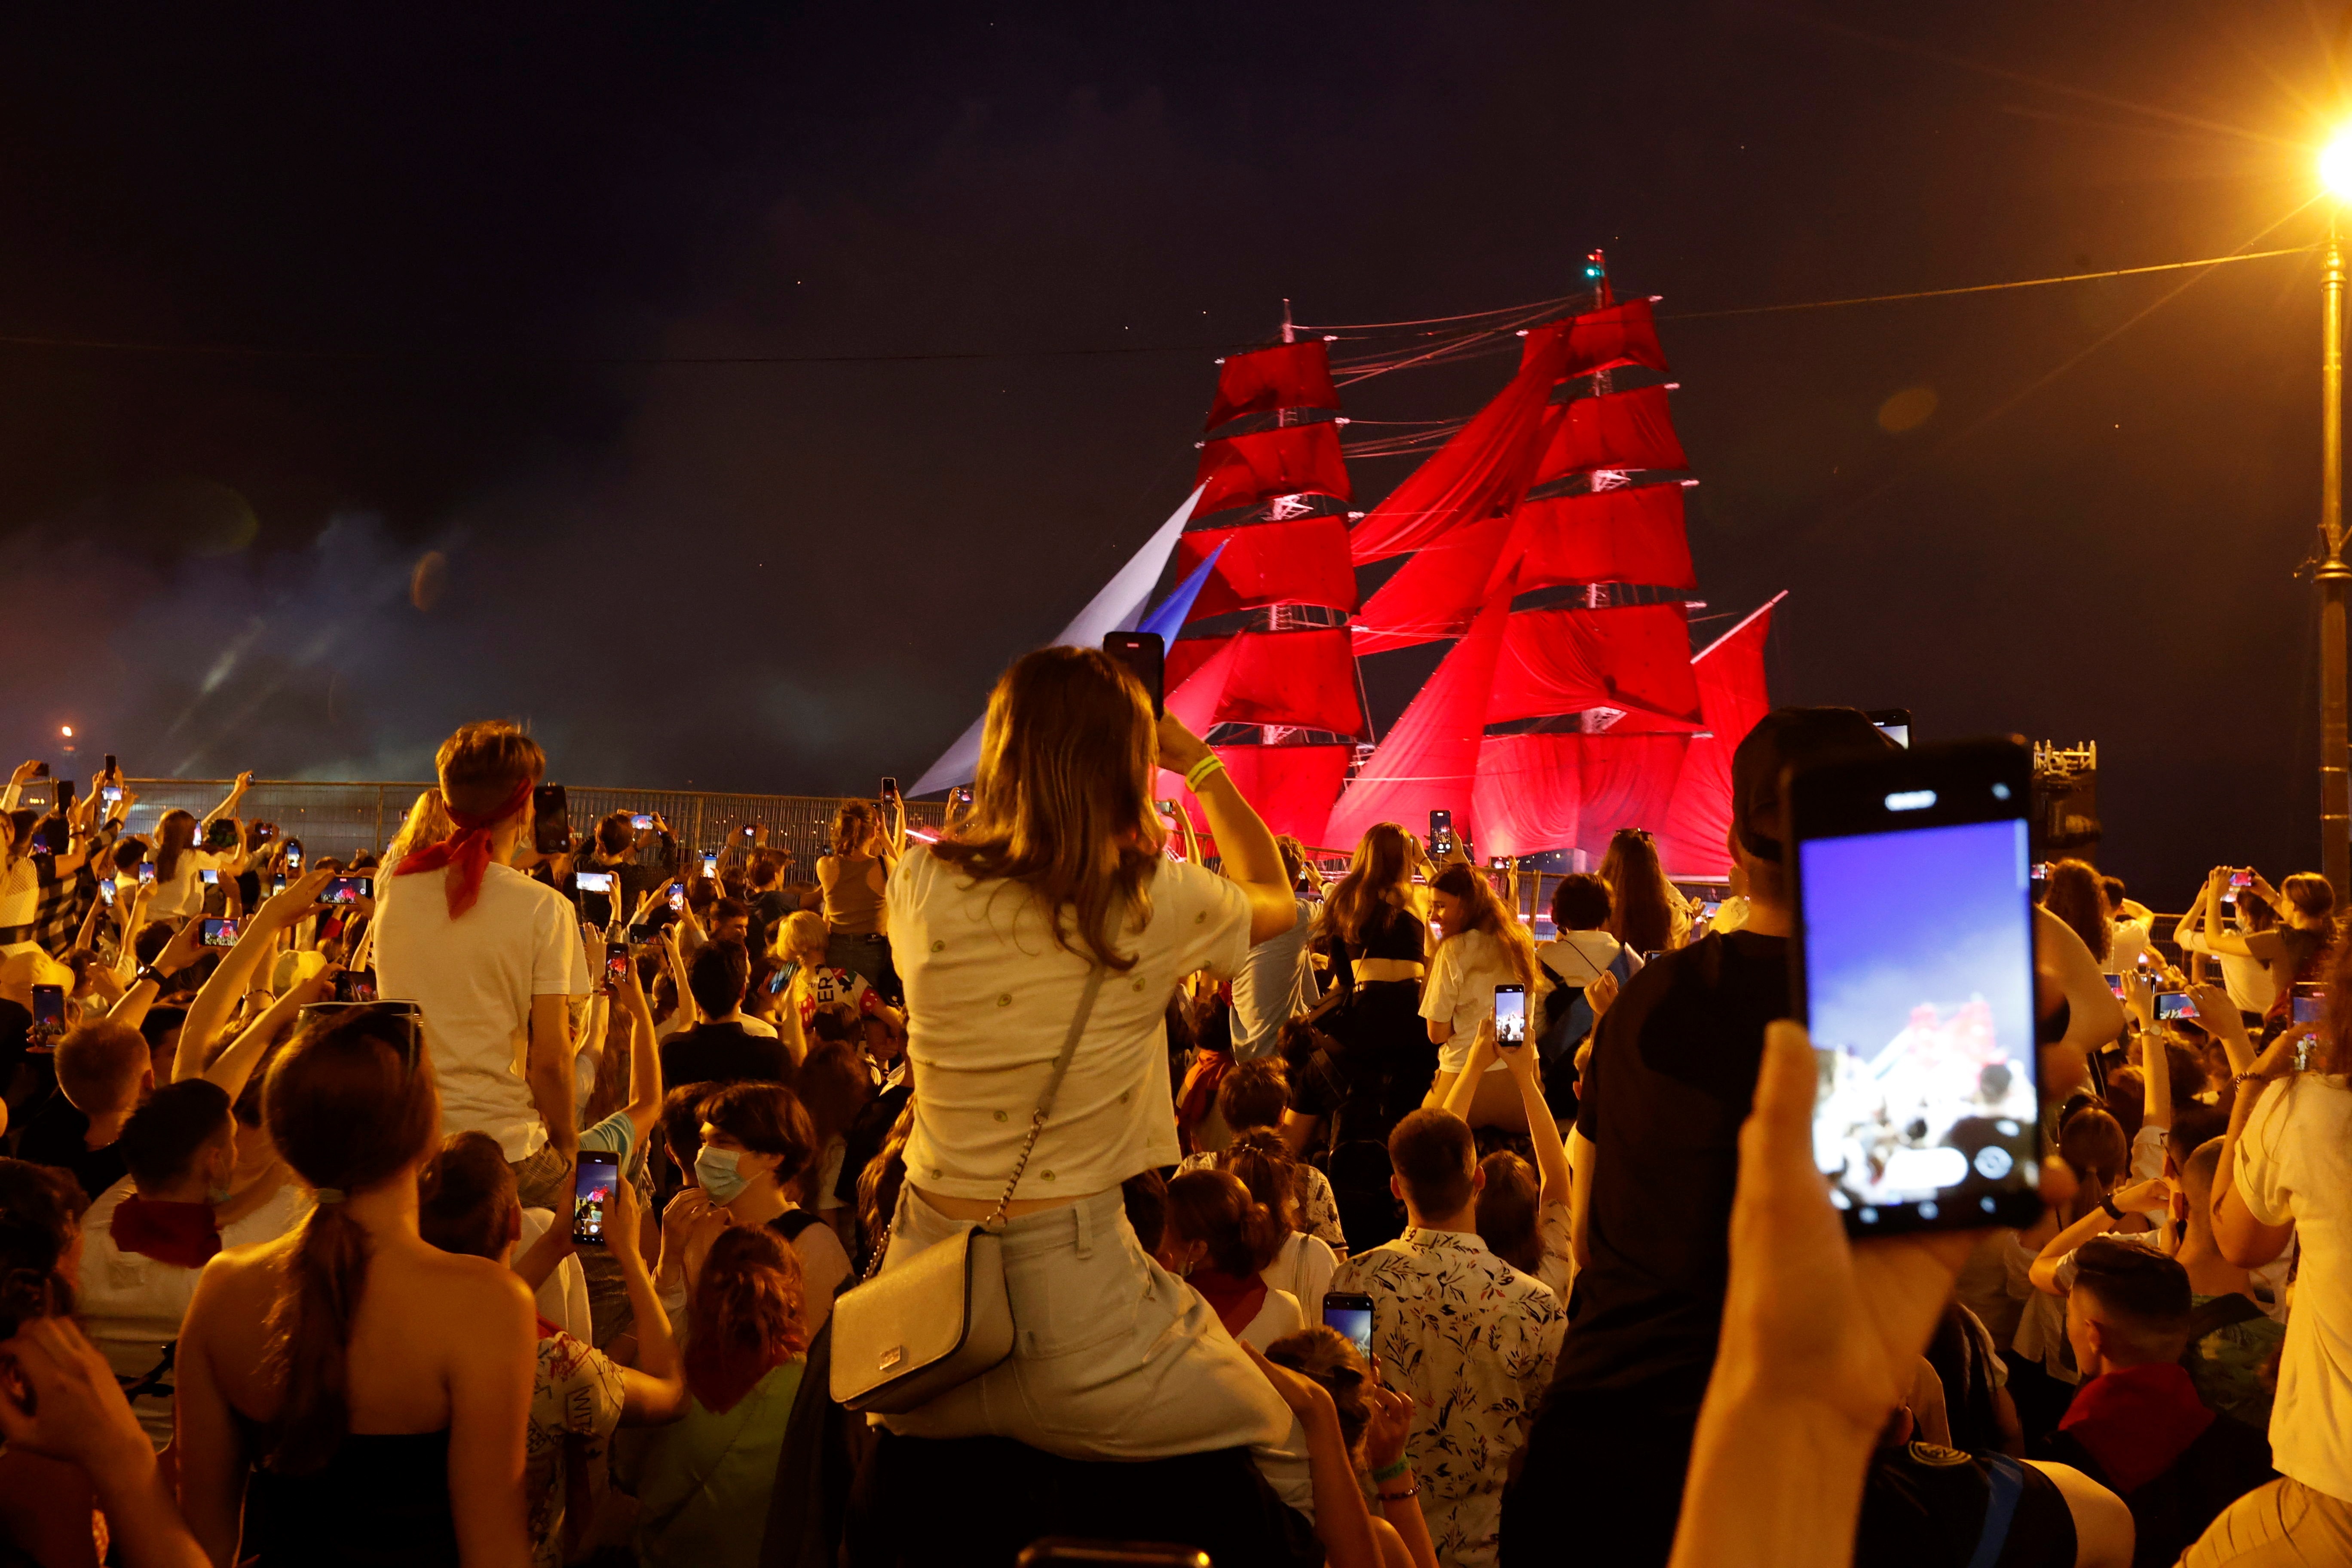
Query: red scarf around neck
468, 851
2137, 1420
1235, 1298
182, 1234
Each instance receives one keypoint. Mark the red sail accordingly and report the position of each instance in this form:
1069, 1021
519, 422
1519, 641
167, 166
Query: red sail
1632, 534
1288, 376
1304, 562
1484, 468
1304, 678
1565, 661
1561, 791
1296, 459
1429, 760
1616, 430
1436, 593
1731, 691
1621, 334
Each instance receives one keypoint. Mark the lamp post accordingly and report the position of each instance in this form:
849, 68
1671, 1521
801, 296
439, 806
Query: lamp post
2334, 744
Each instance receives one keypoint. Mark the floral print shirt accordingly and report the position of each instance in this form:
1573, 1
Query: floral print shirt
575, 1404
1473, 1340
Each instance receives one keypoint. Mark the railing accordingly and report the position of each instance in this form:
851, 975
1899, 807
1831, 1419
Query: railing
341, 819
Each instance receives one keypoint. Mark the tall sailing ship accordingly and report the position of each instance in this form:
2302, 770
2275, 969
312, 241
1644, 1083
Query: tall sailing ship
1544, 541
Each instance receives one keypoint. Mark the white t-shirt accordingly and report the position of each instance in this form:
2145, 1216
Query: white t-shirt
1303, 1269
1462, 989
990, 998
2294, 1161
1276, 985
1581, 957
131, 1305
474, 978
183, 895
1279, 1316
2127, 940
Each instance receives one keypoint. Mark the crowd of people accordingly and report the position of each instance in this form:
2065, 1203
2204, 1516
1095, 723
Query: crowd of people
526, 1196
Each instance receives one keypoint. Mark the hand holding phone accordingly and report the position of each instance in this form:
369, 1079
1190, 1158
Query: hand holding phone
550, 826
596, 1182
616, 965
220, 932
1145, 654
1510, 1017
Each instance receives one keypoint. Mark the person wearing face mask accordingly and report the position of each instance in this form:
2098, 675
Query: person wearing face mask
147, 1237
756, 1140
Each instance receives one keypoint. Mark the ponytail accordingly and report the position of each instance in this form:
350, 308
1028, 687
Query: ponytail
743, 1317
1243, 1235
348, 1110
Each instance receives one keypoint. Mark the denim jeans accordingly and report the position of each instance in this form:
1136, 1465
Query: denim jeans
1113, 1357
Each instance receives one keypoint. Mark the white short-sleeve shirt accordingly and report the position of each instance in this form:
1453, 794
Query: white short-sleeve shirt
1462, 990
989, 997
474, 978
2294, 1162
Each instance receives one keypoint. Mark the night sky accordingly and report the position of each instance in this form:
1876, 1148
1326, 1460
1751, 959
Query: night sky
460, 232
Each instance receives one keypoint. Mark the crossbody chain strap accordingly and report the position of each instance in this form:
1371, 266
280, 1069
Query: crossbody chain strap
1036, 1120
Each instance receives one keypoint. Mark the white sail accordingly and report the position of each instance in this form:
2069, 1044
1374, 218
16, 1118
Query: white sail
1118, 607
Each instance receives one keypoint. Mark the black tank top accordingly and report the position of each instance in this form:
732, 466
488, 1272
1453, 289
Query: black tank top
382, 1501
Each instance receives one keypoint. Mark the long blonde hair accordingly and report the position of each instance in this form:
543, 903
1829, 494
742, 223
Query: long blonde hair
1381, 871
1063, 802
428, 824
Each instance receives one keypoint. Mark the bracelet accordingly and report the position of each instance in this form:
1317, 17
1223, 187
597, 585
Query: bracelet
2246, 1077
1198, 771
2114, 1212
1407, 1495
1391, 1472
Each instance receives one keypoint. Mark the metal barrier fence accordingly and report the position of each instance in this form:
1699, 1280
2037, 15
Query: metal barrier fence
341, 819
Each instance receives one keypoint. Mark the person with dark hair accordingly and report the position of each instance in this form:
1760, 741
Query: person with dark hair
2137, 1424
833, 1084
856, 876
756, 1141
764, 880
2233, 1344
180, 862
370, 1391
1304, 1263
722, 1047
1469, 1337
2130, 927
1645, 912
730, 921
1654, 1153
1583, 955
704, 1482
1277, 981
144, 1242
1523, 1213
2246, 977
103, 1070
613, 849
1484, 946
1252, 1098
2297, 949
491, 958
2074, 896
579, 1396
1373, 1425
1217, 1238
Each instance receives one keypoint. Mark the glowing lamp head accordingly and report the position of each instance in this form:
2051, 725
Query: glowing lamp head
67, 731
2336, 165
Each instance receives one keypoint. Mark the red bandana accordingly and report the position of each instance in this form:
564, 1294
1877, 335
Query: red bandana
470, 851
182, 1234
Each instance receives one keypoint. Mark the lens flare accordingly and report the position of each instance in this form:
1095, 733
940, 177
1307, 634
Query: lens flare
2335, 164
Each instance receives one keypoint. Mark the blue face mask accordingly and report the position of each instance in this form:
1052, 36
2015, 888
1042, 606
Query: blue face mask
716, 1170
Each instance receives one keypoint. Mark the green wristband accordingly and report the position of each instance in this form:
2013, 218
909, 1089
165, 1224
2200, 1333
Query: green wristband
1391, 1472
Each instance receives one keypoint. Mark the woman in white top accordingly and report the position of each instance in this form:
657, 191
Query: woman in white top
1218, 1239
1484, 946
1057, 876
180, 865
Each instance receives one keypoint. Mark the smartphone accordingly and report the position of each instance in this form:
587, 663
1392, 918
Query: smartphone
963, 795
106, 891
2115, 984
2309, 1007
678, 898
112, 767
48, 1009
889, 788
593, 1181
1921, 1008
146, 873
710, 862
551, 827
1351, 1313
278, 882
1145, 654
1440, 832
208, 877
1510, 1017
592, 881
110, 794
641, 821
2170, 1004
2242, 878
355, 985
750, 830
642, 932
1711, 908
347, 889
220, 932
65, 794
1654, 955
1165, 807
616, 965
293, 856
1894, 723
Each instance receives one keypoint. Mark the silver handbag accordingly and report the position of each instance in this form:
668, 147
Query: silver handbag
901, 1340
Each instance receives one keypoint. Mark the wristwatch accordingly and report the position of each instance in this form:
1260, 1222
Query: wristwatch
2114, 1212
148, 972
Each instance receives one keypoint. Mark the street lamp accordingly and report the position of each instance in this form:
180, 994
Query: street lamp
2334, 783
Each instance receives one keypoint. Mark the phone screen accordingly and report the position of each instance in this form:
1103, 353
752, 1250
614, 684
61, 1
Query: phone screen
2309, 1009
2242, 879
355, 985
347, 890
1914, 960
592, 881
1145, 654
963, 795
293, 857
551, 829
599, 1171
889, 788
278, 883
146, 873
710, 862
678, 898
208, 877
2172, 1005
110, 794
1350, 1314
220, 934
641, 821
1510, 1017
49, 1008
2115, 984
106, 892
616, 963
